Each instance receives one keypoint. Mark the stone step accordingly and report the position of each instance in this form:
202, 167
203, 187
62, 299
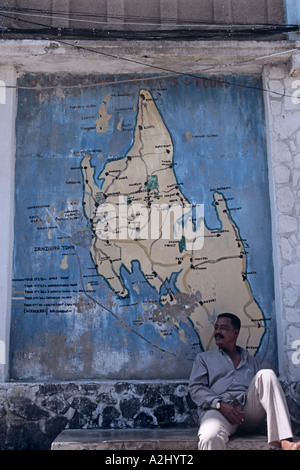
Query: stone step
177, 439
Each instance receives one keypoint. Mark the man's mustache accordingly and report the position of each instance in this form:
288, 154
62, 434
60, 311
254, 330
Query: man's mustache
218, 335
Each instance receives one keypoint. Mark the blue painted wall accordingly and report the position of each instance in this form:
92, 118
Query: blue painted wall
67, 323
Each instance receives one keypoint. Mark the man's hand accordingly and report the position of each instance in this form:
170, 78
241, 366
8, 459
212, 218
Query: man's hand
231, 413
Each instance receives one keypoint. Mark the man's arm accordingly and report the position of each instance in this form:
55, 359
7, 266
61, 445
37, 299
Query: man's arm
199, 385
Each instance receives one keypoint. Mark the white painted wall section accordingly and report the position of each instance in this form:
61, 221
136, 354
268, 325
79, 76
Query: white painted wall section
7, 156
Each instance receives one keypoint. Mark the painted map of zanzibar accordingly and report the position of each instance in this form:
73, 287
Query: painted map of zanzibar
148, 217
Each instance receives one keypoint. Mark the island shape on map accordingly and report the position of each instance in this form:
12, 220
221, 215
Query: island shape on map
130, 215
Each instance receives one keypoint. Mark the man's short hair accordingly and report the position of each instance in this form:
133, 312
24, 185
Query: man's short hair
235, 321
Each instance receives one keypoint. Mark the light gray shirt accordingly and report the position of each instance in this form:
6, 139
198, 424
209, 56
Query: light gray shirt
214, 378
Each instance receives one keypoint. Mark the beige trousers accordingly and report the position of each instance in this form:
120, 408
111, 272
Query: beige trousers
265, 397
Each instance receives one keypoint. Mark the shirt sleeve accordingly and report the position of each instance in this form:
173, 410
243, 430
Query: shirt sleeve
199, 385
255, 364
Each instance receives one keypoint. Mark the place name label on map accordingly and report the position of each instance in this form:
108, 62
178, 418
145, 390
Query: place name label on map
53, 248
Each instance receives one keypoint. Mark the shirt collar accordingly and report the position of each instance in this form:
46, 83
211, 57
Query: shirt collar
243, 353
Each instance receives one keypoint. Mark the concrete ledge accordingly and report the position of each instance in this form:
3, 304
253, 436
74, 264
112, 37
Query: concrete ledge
145, 439
294, 65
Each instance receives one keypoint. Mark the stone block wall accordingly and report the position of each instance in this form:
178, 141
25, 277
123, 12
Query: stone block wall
32, 415
283, 119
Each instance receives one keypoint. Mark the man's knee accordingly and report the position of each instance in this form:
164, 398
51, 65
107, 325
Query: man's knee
207, 434
267, 375
212, 434
211, 440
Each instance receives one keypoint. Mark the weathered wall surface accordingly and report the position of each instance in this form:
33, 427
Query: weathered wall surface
142, 305
32, 414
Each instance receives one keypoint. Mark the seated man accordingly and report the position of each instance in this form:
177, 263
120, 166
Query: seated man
231, 391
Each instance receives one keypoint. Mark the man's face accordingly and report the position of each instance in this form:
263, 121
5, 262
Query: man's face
225, 334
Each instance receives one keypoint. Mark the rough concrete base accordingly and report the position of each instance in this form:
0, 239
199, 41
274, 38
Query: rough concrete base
145, 439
